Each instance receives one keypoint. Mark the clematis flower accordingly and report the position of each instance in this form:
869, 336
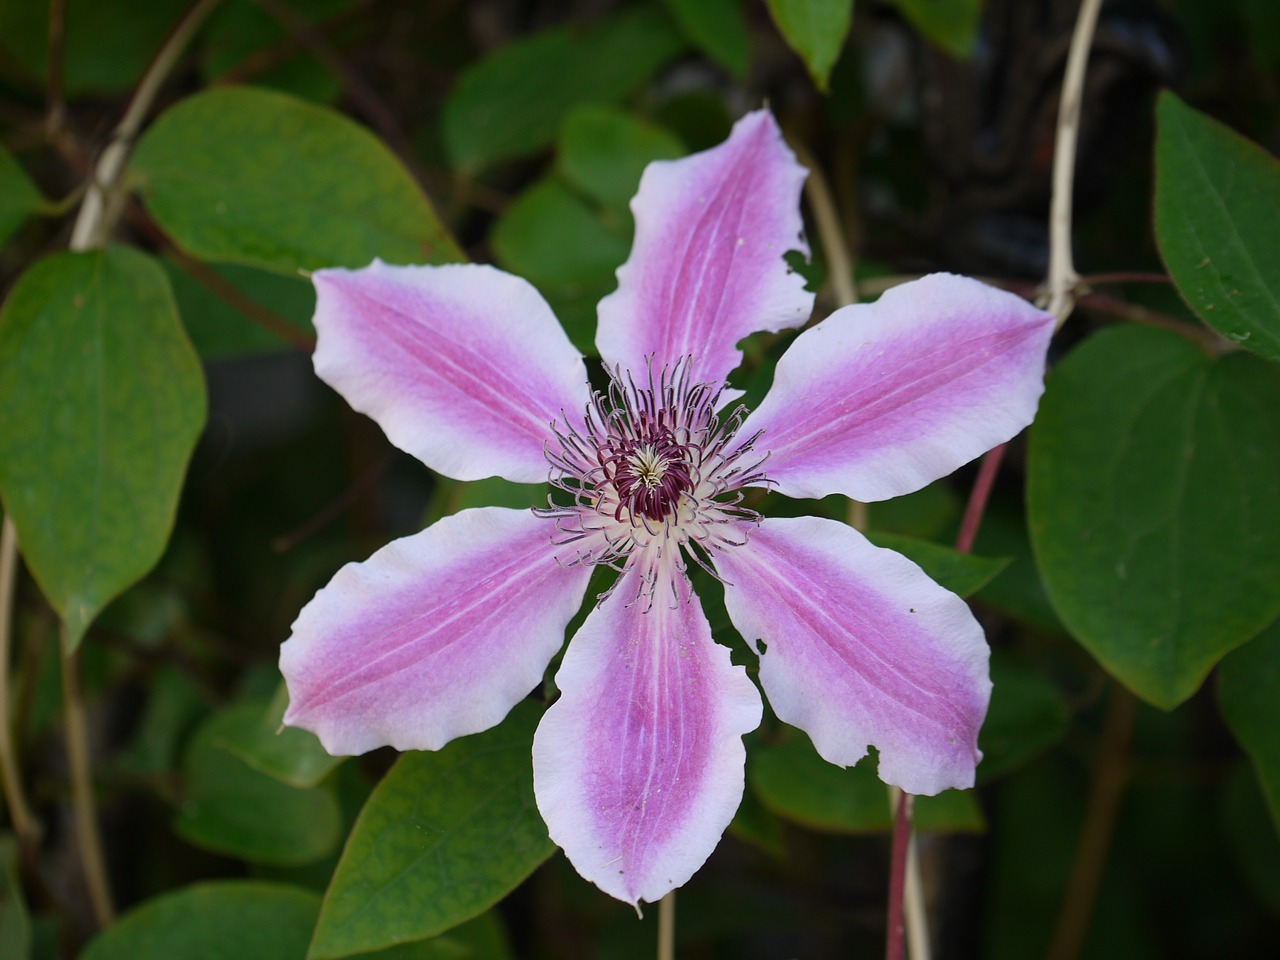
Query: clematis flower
638, 765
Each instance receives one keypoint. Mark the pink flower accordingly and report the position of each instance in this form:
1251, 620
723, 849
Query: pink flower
638, 766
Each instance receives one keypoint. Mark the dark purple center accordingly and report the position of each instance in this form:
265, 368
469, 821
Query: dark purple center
649, 468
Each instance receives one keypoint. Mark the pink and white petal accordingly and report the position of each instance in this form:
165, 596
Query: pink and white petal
638, 767
706, 268
858, 646
435, 636
463, 366
881, 399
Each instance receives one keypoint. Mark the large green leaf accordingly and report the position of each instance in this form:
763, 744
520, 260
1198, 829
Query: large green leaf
1152, 504
103, 399
604, 150
1216, 200
555, 239
288, 754
1249, 694
793, 781
443, 837
220, 920
718, 28
249, 176
951, 24
234, 809
816, 30
511, 103
1027, 716
19, 197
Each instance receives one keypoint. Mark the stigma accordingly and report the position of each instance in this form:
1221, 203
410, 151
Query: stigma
652, 468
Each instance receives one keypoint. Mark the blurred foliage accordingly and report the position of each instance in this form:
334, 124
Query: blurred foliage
1132, 545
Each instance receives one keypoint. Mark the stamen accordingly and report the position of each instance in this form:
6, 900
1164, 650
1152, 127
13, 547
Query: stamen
652, 468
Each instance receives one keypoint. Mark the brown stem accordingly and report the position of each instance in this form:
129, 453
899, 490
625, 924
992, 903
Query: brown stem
1110, 776
56, 104
24, 822
88, 837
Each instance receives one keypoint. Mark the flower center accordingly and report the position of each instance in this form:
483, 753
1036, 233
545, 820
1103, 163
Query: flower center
652, 469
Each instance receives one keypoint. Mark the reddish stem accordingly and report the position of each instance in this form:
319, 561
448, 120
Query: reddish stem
898, 875
978, 498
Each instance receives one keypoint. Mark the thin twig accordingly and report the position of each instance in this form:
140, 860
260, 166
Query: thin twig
88, 837
1125, 276
237, 299
898, 869
99, 207
978, 497
1109, 780
667, 927
1062, 270
24, 822
827, 220
56, 106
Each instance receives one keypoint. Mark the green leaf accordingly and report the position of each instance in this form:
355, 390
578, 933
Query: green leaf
234, 809
1251, 836
1027, 716
103, 399
15, 920
1216, 200
219, 330
247, 176
1152, 504
1248, 693
604, 150
793, 781
19, 198
961, 573
512, 102
220, 920
718, 28
172, 707
288, 754
951, 24
453, 496
816, 30
443, 837
550, 236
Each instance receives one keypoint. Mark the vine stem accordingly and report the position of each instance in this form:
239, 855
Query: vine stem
99, 206
667, 927
24, 822
1110, 776
1062, 271
98, 210
88, 836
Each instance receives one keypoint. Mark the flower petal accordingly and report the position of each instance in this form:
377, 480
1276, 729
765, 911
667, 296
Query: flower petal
463, 366
435, 636
880, 399
638, 767
861, 647
706, 268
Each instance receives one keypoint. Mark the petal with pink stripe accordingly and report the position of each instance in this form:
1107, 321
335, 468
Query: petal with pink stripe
462, 365
706, 268
881, 399
435, 636
638, 767
858, 646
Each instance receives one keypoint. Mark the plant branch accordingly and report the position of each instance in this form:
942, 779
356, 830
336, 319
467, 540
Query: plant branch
1062, 270
24, 822
56, 106
898, 869
978, 497
827, 219
100, 205
88, 837
1110, 776
667, 927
